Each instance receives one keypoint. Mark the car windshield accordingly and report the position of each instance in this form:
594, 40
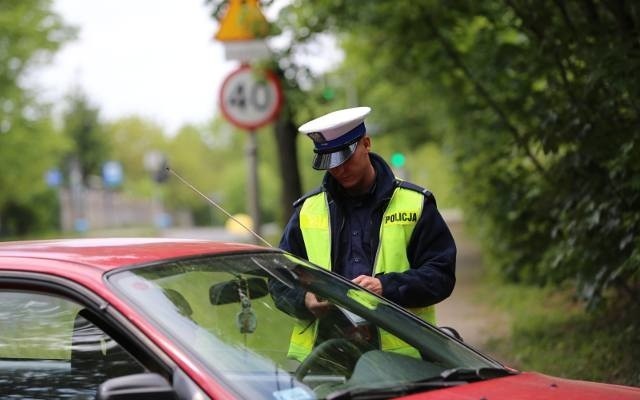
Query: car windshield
243, 317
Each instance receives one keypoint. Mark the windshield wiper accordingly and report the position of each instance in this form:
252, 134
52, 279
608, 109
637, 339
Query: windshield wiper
378, 393
448, 378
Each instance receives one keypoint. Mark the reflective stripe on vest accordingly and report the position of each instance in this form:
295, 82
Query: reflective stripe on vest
398, 222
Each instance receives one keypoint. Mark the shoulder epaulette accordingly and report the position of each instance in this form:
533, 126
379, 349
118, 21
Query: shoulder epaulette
414, 187
307, 195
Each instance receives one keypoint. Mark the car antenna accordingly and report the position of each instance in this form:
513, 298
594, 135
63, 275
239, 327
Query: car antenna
219, 207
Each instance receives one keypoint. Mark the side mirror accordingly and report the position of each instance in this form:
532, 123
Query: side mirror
451, 332
229, 292
136, 387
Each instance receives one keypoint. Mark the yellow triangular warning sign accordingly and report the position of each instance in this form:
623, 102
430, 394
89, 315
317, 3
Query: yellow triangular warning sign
242, 21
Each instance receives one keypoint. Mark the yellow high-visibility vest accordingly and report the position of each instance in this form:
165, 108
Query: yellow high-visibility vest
396, 228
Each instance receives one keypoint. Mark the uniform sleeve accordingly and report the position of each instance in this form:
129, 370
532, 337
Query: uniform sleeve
432, 257
291, 240
288, 300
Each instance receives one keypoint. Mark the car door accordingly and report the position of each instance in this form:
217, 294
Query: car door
58, 341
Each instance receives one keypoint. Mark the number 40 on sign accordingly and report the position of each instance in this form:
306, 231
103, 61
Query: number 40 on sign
250, 99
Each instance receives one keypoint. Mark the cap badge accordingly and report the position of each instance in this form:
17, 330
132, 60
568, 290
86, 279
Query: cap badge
317, 137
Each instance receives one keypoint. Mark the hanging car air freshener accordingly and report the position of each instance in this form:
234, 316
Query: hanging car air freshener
246, 318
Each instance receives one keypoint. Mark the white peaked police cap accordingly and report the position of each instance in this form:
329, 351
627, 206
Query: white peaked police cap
335, 135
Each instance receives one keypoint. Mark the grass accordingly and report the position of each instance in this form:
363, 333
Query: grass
553, 334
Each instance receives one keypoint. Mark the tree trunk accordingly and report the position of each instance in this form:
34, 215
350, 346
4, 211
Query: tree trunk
285, 133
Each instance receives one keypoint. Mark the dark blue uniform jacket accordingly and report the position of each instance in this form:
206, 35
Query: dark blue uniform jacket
431, 251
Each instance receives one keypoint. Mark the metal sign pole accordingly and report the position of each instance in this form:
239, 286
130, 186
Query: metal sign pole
253, 187
250, 103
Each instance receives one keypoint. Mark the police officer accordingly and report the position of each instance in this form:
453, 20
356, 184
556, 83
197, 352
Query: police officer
363, 223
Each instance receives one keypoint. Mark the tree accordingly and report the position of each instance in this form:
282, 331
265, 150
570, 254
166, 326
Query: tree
83, 127
540, 111
30, 32
285, 133
131, 139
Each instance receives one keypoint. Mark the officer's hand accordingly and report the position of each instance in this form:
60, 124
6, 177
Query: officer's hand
316, 307
370, 283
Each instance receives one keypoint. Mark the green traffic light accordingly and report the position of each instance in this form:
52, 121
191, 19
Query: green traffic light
328, 93
397, 160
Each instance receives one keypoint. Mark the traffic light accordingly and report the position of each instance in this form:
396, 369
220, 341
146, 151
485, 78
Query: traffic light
328, 93
398, 160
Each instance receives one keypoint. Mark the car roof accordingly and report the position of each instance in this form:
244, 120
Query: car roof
110, 253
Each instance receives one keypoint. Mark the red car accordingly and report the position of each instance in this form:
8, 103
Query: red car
191, 319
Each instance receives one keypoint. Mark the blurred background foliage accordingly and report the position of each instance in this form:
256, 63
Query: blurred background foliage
29, 35
523, 114
532, 103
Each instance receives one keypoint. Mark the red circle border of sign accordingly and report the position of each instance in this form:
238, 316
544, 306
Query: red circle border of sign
271, 77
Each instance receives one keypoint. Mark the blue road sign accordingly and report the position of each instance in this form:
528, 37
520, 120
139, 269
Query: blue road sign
112, 173
53, 177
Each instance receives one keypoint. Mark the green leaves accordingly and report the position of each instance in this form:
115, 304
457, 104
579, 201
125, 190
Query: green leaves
538, 103
29, 144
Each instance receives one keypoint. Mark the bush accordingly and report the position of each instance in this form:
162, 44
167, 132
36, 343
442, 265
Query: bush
551, 333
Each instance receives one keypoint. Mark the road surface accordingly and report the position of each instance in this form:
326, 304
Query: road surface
464, 310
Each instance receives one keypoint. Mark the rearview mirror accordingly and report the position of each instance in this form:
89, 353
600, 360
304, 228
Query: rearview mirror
229, 292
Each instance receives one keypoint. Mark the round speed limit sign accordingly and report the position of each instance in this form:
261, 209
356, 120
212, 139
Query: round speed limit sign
250, 99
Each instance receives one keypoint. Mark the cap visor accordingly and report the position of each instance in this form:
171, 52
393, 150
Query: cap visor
323, 161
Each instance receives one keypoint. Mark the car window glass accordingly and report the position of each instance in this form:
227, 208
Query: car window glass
49, 350
243, 317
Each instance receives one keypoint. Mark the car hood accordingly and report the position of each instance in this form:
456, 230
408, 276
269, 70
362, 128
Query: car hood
531, 386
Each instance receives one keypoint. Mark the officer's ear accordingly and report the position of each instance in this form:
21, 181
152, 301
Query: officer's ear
366, 142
